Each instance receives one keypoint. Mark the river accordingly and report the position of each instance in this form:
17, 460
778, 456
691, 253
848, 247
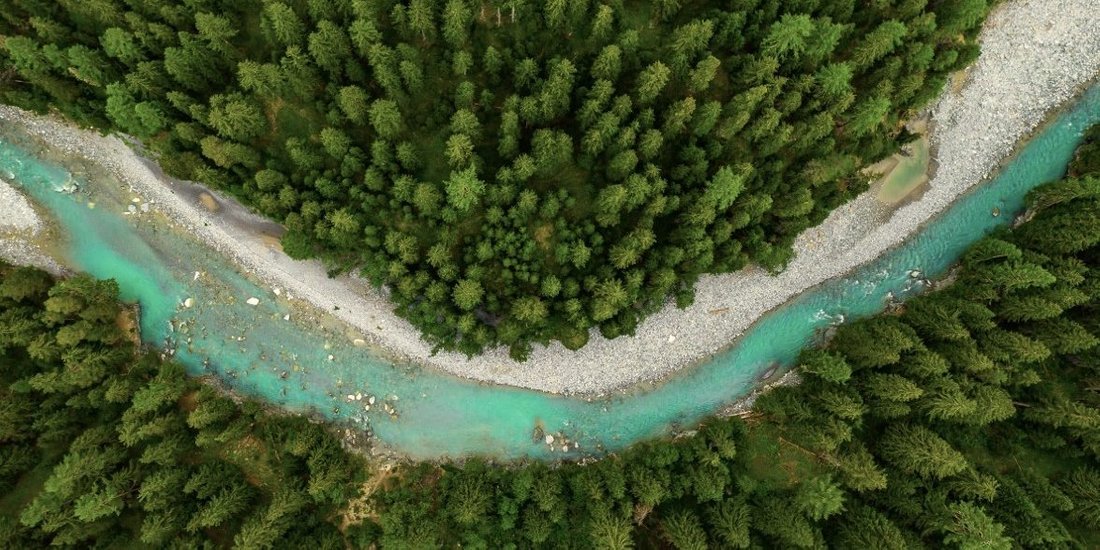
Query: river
305, 366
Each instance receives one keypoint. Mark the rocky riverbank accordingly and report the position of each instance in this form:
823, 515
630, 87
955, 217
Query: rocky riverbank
20, 226
1036, 56
17, 215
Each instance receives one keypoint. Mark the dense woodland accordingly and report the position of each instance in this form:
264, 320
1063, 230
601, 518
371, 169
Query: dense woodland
102, 447
968, 418
513, 171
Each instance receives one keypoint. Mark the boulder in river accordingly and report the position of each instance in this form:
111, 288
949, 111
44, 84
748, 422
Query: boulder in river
253, 301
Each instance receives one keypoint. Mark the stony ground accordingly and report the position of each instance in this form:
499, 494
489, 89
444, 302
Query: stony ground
16, 213
20, 226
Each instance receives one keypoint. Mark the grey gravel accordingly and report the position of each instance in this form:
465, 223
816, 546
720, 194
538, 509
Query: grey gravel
1037, 54
16, 214
20, 225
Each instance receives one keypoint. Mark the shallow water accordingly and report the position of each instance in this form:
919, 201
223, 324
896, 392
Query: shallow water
258, 353
904, 178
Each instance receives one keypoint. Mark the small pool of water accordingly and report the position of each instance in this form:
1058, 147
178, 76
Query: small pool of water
907, 175
309, 368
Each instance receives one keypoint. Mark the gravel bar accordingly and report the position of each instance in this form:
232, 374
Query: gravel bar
16, 213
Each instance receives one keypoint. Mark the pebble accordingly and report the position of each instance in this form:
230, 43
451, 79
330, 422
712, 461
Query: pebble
188, 302
253, 301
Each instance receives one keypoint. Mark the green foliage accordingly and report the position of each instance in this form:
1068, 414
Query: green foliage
101, 447
653, 142
947, 424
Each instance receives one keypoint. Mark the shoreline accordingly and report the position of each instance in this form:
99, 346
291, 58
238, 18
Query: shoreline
974, 131
21, 231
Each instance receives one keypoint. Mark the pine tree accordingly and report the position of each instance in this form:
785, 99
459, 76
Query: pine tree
788, 36
464, 189
917, 449
610, 532
651, 81
892, 387
830, 367
731, 520
282, 24
456, 21
422, 18
684, 532
972, 528
385, 118
878, 43
819, 498
866, 528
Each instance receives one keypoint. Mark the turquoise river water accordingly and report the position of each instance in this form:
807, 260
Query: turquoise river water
305, 367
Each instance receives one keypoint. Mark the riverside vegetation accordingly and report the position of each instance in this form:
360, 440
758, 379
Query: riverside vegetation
968, 418
103, 444
513, 171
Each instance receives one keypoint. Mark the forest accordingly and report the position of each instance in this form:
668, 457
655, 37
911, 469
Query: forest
105, 446
968, 418
512, 172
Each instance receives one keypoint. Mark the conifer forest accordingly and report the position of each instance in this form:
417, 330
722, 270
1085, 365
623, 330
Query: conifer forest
514, 171
520, 173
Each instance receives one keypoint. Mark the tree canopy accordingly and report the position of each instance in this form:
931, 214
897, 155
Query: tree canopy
951, 421
610, 152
